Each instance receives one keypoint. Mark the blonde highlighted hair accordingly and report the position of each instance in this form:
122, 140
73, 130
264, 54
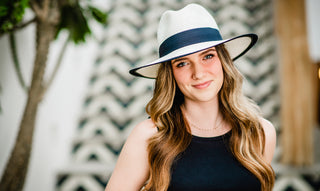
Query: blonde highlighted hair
173, 137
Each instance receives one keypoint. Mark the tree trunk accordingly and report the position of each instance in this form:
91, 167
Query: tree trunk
14, 175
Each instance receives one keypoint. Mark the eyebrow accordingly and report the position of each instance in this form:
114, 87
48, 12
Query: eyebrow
177, 60
202, 53
208, 50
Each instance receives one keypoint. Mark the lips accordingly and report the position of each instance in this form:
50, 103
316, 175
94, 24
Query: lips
202, 85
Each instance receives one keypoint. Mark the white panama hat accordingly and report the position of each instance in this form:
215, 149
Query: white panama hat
189, 30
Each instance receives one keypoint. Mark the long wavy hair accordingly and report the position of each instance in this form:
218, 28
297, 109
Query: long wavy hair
173, 136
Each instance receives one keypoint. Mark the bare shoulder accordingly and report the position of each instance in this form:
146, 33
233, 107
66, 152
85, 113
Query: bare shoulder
133, 159
269, 130
144, 130
139, 136
270, 139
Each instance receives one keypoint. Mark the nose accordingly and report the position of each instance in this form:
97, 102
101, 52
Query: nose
198, 71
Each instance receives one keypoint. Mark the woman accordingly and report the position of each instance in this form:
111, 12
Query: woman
203, 133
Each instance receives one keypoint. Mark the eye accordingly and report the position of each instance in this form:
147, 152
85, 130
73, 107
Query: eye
209, 56
181, 64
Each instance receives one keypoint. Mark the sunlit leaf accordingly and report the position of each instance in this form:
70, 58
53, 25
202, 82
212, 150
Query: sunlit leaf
11, 13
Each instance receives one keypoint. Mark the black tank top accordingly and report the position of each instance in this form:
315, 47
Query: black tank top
208, 165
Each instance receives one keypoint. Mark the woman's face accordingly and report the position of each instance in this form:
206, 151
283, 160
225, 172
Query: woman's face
199, 76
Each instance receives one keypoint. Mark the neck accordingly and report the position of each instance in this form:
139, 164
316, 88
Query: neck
204, 114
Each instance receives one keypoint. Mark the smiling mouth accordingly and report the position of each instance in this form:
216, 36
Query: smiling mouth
202, 85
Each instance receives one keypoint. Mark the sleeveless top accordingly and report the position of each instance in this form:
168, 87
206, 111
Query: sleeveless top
208, 165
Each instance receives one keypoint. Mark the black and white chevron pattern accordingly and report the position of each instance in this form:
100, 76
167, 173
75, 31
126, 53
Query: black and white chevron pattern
115, 101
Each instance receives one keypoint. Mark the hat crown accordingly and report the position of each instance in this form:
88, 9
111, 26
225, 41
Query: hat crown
192, 16
189, 30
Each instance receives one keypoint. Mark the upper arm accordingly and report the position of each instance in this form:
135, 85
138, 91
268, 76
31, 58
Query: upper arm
132, 169
270, 140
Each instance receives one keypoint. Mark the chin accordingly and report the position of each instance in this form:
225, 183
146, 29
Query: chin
206, 98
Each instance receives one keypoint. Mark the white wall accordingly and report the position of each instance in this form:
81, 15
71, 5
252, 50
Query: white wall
58, 113
313, 16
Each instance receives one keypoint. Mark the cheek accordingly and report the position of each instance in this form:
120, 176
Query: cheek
216, 68
179, 76
220, 74
220, 70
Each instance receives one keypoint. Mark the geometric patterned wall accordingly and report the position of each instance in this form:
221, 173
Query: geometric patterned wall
115, 101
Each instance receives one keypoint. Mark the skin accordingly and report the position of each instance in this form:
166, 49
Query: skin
199, 77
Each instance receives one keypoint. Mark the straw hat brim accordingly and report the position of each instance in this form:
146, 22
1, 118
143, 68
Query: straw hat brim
236, 46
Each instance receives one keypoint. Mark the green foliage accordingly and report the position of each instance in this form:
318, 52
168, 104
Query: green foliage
11, 13
75, 18
98, 15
